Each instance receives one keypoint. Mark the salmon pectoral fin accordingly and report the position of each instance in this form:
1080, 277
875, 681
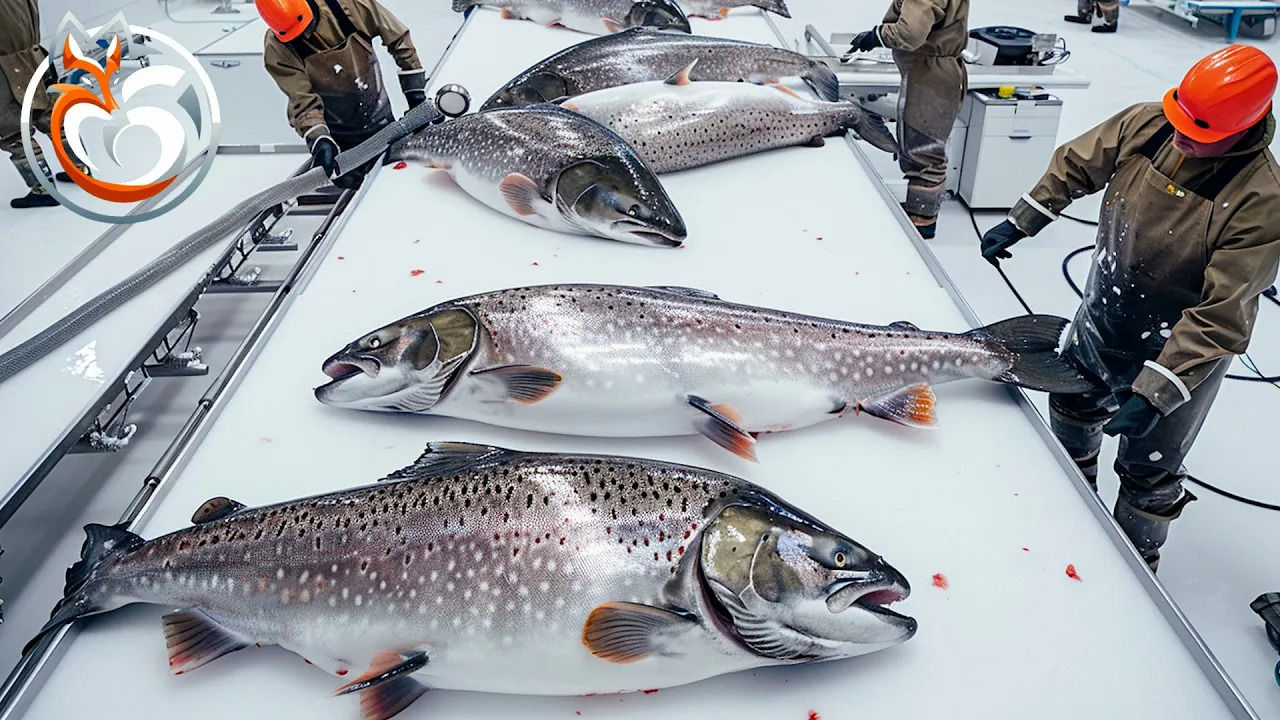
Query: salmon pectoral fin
913, 406
787, 90
387, 687
524, 384
612, 26
625, 632
216, 509
723, 426
520, 192
194, 640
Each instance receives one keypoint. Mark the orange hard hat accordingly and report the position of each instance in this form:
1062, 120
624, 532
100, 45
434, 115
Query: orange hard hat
1223, 94
286, 18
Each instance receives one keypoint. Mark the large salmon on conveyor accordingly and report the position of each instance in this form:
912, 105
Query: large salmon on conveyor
618, 361
644, 54
479, 568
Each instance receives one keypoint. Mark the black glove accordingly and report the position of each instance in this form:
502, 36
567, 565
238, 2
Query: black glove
864, 41
998, 239
1137, 418
351, 179
324, 154
414, 85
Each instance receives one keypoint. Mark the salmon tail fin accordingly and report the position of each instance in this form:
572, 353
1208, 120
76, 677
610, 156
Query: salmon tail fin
777, 7
871, 127
1033, 342
103, 546
823, 81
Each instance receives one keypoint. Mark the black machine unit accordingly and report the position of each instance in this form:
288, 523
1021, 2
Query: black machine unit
1014, 45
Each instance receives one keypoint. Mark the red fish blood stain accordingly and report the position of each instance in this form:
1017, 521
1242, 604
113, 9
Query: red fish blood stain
416, 272
813, 715
940, 581
400, 165
1071, 572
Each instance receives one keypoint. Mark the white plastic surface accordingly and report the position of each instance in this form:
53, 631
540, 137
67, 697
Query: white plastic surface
39, 405
878, 75
981, 500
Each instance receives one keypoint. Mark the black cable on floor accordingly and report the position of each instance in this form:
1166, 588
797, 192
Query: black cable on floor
1232, 496
974, 221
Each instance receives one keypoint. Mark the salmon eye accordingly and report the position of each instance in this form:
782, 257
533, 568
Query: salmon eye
840, 559
633, 210
374, 342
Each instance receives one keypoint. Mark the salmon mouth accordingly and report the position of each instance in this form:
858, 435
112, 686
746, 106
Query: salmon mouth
350, 367
874, 598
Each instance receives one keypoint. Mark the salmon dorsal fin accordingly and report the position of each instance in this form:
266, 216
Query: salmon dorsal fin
682, 77
691, 292
216, 508
449, 458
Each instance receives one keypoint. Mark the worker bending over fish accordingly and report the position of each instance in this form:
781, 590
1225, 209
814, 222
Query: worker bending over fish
321, 56
927, 37
1188, 238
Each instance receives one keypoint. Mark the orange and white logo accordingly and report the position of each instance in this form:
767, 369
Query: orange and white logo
133, 116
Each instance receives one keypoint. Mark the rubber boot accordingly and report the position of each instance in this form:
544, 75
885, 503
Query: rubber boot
927, 227
1089, 468
33, 199
1077, 19
1104, 28
1148, 529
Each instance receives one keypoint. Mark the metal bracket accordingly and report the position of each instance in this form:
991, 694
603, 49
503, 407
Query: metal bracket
110, 431
278, 242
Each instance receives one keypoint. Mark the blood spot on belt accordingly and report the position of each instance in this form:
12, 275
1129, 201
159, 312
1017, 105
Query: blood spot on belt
813, 715
416, 272
940, 581
1071, 573
400, 165
650, 691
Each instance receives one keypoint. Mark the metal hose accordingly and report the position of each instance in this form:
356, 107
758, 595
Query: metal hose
77, 321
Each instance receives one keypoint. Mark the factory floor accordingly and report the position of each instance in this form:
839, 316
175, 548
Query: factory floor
1220, 554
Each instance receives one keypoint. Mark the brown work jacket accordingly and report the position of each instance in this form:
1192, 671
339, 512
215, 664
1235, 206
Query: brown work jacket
20, 50
370, 18
934, 28
1202, 271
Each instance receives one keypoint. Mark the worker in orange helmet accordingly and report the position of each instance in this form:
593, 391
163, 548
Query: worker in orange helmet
320, 53
1188, 238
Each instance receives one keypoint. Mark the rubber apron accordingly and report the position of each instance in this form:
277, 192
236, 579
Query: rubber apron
1152, 251
349, 84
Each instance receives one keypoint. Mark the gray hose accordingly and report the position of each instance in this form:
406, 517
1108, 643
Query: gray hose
80, 319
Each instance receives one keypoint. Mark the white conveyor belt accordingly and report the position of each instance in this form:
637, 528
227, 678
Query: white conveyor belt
40, 406
982, 500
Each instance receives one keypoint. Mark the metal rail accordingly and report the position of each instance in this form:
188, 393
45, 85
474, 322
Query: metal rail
28, 674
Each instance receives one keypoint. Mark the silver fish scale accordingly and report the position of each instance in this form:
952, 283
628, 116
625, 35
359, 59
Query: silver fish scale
674, 131
613, 9
500, 555
585, 330
537, 142
641, 54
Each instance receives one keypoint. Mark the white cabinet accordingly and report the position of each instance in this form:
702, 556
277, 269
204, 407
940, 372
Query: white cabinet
1008, 146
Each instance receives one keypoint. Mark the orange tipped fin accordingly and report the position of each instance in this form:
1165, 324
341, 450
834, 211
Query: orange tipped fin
723, 12
193, 640
507, 14
723, 426
787, 90
682, 77
520, 192
913, 406
569, 106
625, 632
387, 687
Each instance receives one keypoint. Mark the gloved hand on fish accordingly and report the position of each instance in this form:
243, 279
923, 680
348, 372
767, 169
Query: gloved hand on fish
719, 9
597, 17
678, 124
492, 570
644, 54
618, 361
551, 168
